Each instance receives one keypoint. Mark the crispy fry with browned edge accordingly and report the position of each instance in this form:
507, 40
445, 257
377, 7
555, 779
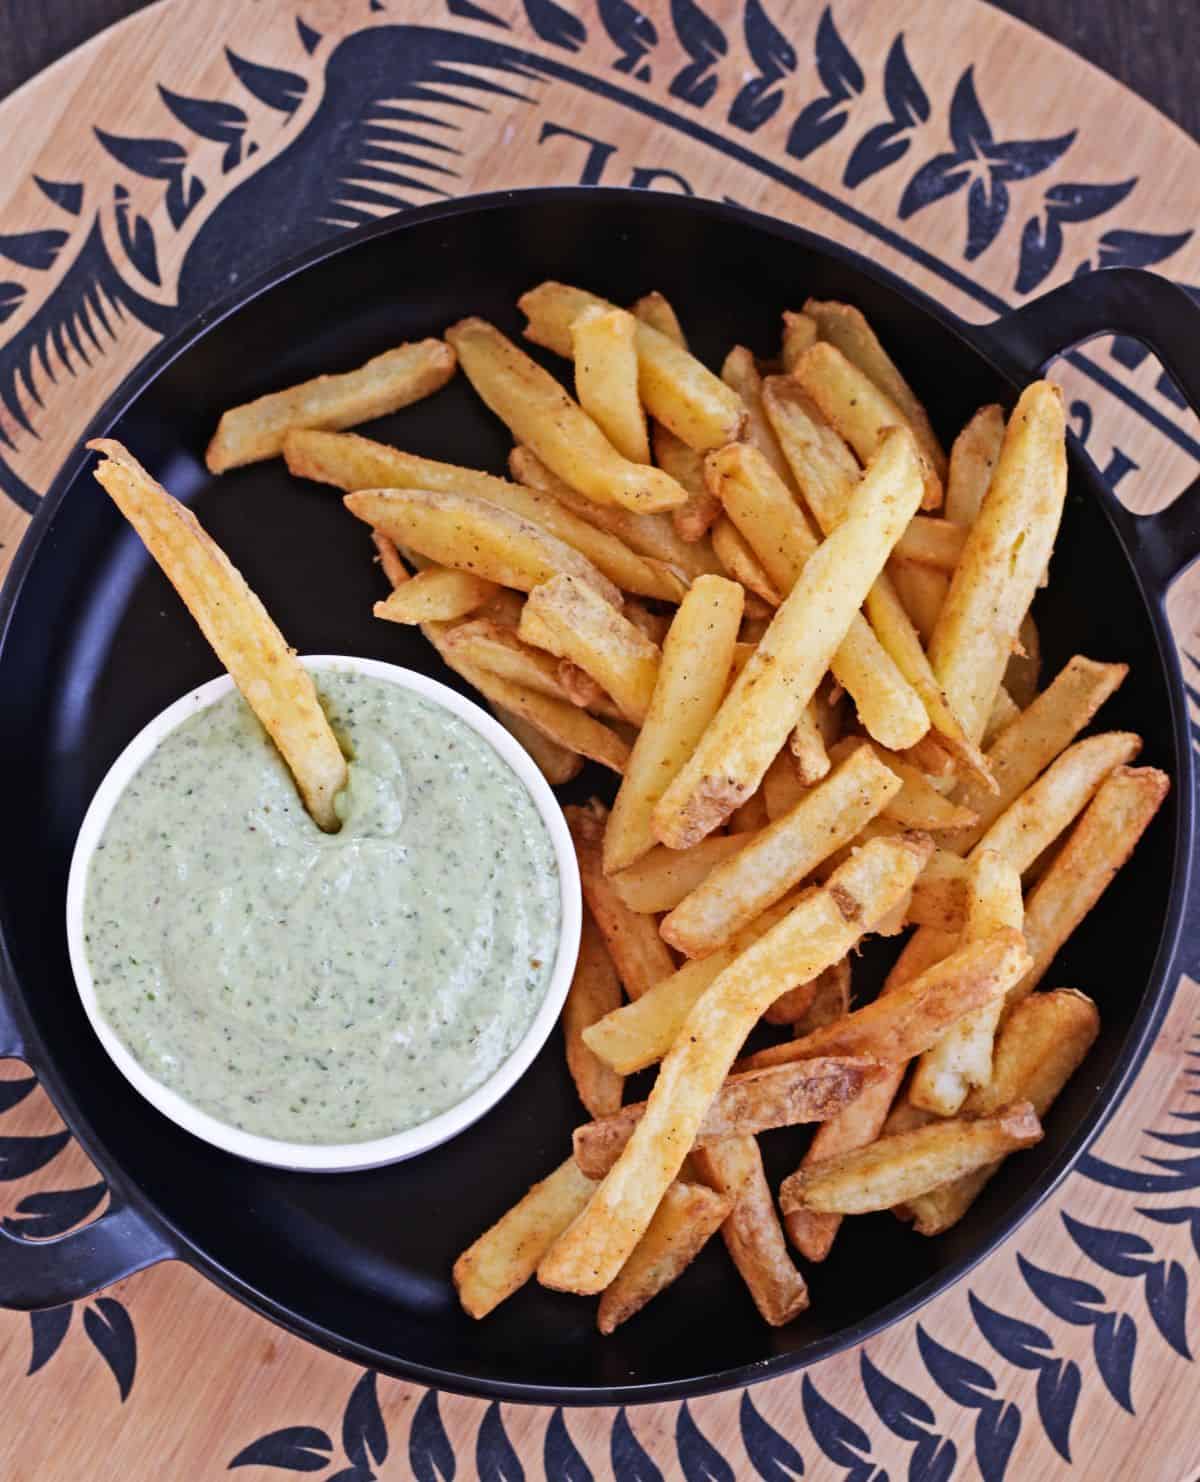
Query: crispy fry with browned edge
818, 931
799, 334
826, 818
751, 1231
351, 463
907, 1164
573, 621
916, 804
1004, 557
638, 952
933, 542
827, 998
1083, 869
498, 649
858, 410
395, 379
437, 594
661, 878
556, 764
595, 991
847, 327
539, 413
692, 676
240, 631
676, 389
1043, 1042
506, 1256
737, 557
606, 379
686, 466
740, 371
793, 656
973, 460
682, 1224
809, 1091
824, 468
656, 311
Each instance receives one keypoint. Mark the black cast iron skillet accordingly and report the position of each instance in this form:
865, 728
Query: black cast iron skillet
94, 643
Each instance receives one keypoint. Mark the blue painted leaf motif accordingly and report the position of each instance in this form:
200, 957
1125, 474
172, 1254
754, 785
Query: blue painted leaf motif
430, 1453
1021, 1343
774, 56
364, 1434
1167, 1297
699, 1459
987, 206
555, 24
560, 1456
13, 1092
471, 12
1041, 246
1118, 1251
1183, 1214
21, 1156
1071, 1300
1030, 1347
908, 1416
705, 43
137, 238
631, 31
48, 1328
352, 1474
54, 1211
883, 144
272, 86
36, 250
1114, 1344
630, 1460
65, 193
109, 1327
158, 159
310, 39
969, 1384
296, 1448
1058, 1387
772, 1455
842, 79
1129, 249
12, 295
495, 1459
838, 1436
225, 123
1183, 1174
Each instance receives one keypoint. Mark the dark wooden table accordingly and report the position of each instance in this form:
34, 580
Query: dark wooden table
1143, 43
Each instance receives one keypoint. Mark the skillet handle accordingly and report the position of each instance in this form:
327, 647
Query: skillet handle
49, 1273
1146, 307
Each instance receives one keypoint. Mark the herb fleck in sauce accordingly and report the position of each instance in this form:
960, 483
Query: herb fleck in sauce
316, 987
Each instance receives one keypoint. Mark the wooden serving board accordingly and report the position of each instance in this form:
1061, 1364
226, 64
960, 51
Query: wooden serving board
146, 176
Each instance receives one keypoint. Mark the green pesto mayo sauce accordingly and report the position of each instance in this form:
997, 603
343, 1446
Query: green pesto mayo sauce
323, 988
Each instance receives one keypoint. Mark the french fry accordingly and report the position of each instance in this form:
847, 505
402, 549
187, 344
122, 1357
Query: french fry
694, 519
576, 623
1043, 1042
692, 677
395, 379
556, 764
352, 463
846, 327
745, 1105
939, 897
751, 817
915, 804
781, 787
781, 678
739, 890
653, 309
827, 1000
751, 1230
806, 744
641, 1032
1003, 712
1099, 845
933, 542
1004, 557
799, 334
741, 372
469, 534
973, 460
595, 991
498, 649
908, 1164
538, 412
680, 1228
639, 954
738, 559
675, 388
603, 343
661, 878
904, 1022
921, 591
858, 411
504, 1257
824, 468
962, 1058
390, 562
437, 594
818, 931
240, 631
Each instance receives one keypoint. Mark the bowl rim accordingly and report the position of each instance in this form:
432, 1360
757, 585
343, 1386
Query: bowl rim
343, 1157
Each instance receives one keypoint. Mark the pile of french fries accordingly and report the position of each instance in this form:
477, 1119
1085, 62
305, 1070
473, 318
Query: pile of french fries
801, 636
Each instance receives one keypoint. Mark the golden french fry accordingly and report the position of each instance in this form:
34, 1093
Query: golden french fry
1099, 845
569, 618
595, 991
824, 468
256, 430
846, 327
739, 890
675, 388
692, 520
556, 764
389, 559
1043, 1042
751, 817
680, 1228
1023, 669
781, 678
741, 372
921, 591
810, 1091
806, 744
939, 897
506, 1256
827, 999
639, 1033
858, 410
973, 460
603, 344
751, 1230
930, 541
738, 559
661, 878
538, 412
1003, 712
781, 787
1004, 557
692, 677
437, 594
638, 952
653, 309
799, 334
917, 804
818, 931
498, 649
240, 631
908, 1164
